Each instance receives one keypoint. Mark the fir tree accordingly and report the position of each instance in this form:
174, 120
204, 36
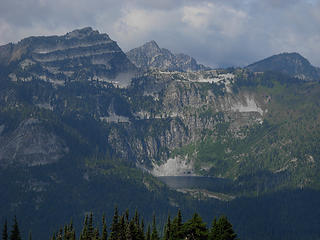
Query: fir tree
136, 217
122, 228
225, 229
15, 233
195, 228
5, 231
90, 227
73, 235
127, 216
53, 237
141, 230
214, 231
96, 235
148, 237
154, 234
130, 231
176, 226
167, 230
60, 234
104, 235
84, 232
115, 225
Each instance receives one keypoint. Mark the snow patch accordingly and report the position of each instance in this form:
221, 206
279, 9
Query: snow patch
248, 106
115, 118
45, 106
174, 167
219, 78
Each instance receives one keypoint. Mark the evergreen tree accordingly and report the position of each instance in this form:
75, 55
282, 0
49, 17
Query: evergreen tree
128, 232
30, 236
84, 232
176, 226
148, 237
65, 235
60, 234
104, 235
53, 237
141, 230
96, 235
136, 217
214, 231
225, 229
73, 235
114, 235
15, 233
195, 228
90, 227
122, 228
154, 234
167, 230
127, 216
5, 231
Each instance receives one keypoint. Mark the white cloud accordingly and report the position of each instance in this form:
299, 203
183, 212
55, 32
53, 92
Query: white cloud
215, 18
216, 32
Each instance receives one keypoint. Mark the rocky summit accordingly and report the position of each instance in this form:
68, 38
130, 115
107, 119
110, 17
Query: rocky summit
151, 56
83, 54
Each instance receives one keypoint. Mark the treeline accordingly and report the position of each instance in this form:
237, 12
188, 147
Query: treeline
125, 228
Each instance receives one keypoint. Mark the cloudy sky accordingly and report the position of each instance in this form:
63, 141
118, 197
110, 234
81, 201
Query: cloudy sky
217, 33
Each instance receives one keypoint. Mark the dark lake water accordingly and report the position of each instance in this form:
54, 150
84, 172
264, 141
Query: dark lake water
208, 183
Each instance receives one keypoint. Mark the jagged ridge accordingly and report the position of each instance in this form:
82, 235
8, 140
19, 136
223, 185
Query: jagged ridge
151, 56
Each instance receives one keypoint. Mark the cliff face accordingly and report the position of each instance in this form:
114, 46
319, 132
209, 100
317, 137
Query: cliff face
151, 56
185, 108
30, 144
82, 54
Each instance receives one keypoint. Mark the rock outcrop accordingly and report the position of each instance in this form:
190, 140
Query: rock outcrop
30, 144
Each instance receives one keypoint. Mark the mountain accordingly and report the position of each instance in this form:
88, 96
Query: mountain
292, 64
232, 142
151, 56
58, 59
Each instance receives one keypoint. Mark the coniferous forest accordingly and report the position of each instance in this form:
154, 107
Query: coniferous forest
124, 227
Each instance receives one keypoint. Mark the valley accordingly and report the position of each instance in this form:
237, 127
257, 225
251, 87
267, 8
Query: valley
85, 127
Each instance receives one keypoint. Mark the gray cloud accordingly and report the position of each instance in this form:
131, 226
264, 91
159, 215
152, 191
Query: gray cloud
217, 32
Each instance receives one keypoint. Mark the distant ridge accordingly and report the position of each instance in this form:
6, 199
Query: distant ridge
292, 64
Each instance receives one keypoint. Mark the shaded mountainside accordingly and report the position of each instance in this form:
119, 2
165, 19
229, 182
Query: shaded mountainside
151, 56
292, 64
77, 135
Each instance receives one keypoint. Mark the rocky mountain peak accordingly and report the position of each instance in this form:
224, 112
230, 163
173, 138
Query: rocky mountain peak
82, 33
151, 56
82, 54
151, 45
